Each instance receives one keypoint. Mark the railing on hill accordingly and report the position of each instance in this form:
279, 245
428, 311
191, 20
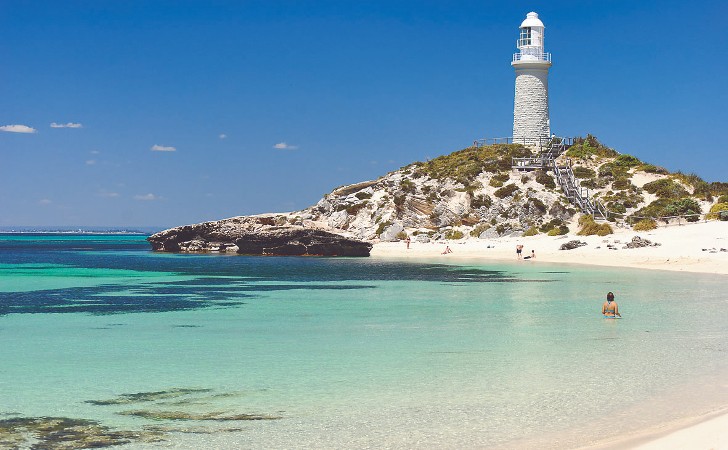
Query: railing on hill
548, 151
539, 142
577, 195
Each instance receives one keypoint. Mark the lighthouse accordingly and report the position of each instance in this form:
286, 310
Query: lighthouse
531, 105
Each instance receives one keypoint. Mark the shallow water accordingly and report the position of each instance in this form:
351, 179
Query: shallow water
336, 353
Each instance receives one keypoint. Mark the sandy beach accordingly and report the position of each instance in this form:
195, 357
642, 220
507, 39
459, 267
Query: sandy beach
694, 247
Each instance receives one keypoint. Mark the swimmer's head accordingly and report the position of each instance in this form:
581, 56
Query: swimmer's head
610, 296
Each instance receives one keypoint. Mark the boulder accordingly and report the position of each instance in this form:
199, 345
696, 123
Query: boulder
490, 233
338, 219
638, 242
422, 238
572, 245
390, 233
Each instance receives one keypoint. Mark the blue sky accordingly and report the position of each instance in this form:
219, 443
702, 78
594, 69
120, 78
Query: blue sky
154, 113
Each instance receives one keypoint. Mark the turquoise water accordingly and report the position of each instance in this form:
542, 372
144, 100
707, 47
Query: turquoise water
348, 353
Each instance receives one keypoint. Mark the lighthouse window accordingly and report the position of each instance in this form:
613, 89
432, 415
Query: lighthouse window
526, 36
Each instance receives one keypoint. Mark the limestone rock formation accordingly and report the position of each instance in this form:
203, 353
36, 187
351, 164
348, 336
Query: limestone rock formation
256, 235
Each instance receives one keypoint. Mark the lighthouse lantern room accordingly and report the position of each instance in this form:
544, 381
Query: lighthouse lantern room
531, 103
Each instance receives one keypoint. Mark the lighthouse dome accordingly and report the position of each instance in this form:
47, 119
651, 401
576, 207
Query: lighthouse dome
532, 21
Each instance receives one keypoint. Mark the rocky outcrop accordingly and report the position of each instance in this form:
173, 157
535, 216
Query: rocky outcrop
299, 242
256, 235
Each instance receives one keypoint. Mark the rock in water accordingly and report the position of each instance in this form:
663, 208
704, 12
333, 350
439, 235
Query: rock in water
300, 241
255, 236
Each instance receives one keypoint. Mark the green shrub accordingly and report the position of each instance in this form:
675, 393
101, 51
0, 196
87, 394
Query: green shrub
723, 199
407, 186
537, 204
645, 225
684, 207
616, 207
399, 199
702, 191
479, 229
650, 168
590, 227
588, 147
502, 228
583, 172
626, 161
691, 179
654, 210
716, 209
356, 207
553, 223
480, 201
613, 170
533, 231
402, 235
719, 189
506, 191
621, 184
524, 179
382, 226
454, 234
665, 188
465, 165
499, 179
363, 195
559, 231
545, 179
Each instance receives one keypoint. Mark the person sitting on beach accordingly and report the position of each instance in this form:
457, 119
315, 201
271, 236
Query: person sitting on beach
447, 250
610, 308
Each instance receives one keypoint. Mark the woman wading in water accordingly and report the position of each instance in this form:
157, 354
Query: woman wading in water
610, 308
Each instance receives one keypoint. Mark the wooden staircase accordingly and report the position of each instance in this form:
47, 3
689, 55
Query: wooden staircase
546, 160
577, 195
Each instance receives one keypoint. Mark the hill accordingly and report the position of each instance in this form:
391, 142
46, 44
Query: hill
476, 193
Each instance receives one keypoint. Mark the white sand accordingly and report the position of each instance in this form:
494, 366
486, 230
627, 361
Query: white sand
681, 249
693, 247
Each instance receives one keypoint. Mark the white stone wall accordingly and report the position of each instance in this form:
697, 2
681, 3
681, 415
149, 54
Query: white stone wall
531, 106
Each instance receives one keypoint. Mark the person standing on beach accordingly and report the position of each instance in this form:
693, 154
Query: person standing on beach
519, 250
610, 308
533, 254
408, 242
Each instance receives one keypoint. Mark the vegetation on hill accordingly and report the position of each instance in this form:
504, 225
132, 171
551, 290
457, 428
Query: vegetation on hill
465, 165
474, 192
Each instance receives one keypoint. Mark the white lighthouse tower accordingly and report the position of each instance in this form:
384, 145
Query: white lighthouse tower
531, 105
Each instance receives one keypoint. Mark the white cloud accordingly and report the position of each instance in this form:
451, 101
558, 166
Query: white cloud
44, 201
223, 136
284, 146
107, 194
95, 152
90, 162
162, 148
147, 197
17, 129
66, 125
